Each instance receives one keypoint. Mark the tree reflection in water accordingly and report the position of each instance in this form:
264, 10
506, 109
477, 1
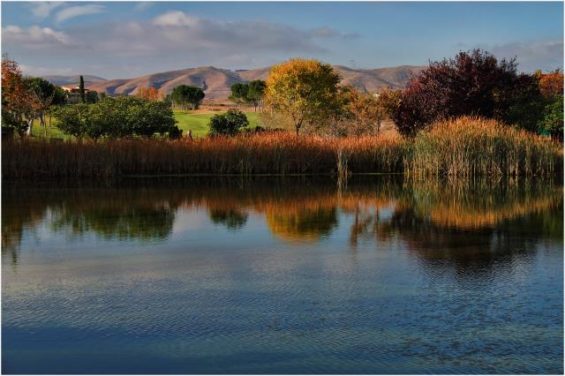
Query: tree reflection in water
440, 221
233, 219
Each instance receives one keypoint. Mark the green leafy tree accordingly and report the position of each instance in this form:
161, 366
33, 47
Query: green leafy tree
185, 95
256, 92
228, 124
82, 90
91, 96
44, 94
117, 117
72, 120
239, 92
249, 93
552, 122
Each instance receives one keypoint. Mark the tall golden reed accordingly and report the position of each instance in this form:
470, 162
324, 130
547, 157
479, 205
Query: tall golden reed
461, 147
278, 153
471, 146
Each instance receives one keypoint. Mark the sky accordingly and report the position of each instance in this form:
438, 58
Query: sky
128, 39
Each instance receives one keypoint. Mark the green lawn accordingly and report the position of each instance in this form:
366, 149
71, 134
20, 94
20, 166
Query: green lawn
197, 122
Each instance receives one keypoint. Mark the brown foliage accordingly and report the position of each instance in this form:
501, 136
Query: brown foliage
551, 84
148, 93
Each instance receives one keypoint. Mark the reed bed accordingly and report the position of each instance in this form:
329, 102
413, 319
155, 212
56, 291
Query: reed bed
278, 154
462, 147
470, 146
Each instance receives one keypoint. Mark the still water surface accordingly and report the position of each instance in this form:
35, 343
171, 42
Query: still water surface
283, 276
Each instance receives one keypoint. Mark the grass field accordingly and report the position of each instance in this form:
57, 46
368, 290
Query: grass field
197, 121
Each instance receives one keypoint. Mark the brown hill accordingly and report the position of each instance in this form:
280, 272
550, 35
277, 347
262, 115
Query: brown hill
217, 82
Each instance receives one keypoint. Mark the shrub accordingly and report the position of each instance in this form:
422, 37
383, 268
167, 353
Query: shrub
475, 84
228, 124
116, 117
175, 133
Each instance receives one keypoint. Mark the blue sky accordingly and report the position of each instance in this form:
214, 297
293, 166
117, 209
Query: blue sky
125, 39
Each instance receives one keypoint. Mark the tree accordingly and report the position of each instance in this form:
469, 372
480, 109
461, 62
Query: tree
472, 83
185, 95
239, 92
364, 113
148, 93
117, 117
228, 124
551, 88
251, 93
18, 105
82, 90
304, 90
44, 94
526, 103
91, 96
256, 92
551, 84
552, 122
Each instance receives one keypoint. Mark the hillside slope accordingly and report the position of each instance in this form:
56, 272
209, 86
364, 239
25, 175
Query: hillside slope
217, 82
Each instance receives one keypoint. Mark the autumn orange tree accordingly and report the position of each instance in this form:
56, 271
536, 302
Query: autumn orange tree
148, 93
551, 83
18, 105
306, 91
365, 111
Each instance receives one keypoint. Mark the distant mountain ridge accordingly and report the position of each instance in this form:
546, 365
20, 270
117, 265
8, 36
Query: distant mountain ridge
60, 80
216, 82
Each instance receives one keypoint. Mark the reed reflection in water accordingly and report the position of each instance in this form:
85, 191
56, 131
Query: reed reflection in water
283, 276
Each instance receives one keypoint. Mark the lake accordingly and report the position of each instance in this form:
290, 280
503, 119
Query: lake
293, 275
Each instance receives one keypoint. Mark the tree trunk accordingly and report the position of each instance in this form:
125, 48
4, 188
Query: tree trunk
29, 126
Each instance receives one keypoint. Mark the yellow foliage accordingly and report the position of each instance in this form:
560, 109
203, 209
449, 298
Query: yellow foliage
304, 90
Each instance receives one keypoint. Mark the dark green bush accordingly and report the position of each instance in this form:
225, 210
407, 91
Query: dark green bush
228, 124
116, 117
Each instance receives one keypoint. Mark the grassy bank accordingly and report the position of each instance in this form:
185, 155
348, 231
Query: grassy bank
465, 147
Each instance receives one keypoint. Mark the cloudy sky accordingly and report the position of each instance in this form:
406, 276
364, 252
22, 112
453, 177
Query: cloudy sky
126, 39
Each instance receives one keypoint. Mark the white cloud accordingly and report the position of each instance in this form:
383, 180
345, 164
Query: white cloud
43, 9
176, 18
171, 39
35, 37
77, 11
